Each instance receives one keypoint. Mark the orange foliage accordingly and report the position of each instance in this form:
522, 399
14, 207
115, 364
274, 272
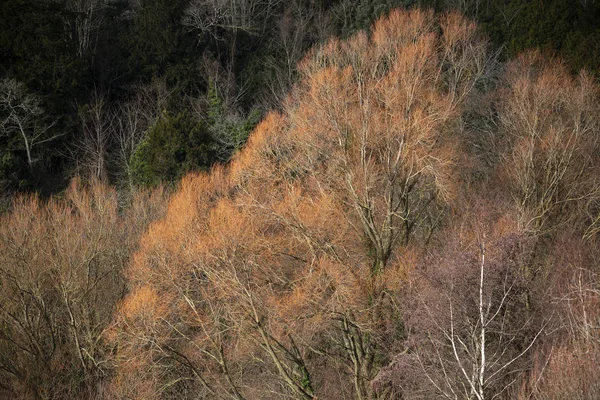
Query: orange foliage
279, 274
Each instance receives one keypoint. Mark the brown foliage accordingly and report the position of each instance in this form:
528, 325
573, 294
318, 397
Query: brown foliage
470, 327
570, 373
349, 251
61, 277
276, 276
552, 133
566, 365
311, 266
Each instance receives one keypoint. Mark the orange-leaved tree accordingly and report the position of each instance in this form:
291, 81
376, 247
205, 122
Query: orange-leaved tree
275, 276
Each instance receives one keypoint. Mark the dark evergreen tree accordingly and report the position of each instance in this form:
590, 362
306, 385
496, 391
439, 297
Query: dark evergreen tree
174, 145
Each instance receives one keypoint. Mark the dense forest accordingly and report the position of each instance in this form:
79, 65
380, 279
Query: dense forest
137, 92
312, 199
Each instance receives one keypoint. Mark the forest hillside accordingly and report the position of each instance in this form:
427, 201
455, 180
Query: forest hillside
140, 92
419, 220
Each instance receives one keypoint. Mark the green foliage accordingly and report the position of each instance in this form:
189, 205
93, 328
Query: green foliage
216, 107
151, 48
569, 29
351, 16
565, 27
11, 166
229, 130
174, 145
37, 48
158, 45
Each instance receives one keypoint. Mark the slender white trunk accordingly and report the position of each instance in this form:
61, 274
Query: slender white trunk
483, 322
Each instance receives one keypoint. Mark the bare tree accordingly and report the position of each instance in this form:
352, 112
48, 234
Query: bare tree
88, 20
217, 325
98, 124
224, 21
215, 16
552, 137
565, 365
61, 275
472, 334
480, 365
82, 21
131, 128
295, 30
22, 114
290, 259
132, 120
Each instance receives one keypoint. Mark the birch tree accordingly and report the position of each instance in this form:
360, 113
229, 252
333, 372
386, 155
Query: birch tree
472, 334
